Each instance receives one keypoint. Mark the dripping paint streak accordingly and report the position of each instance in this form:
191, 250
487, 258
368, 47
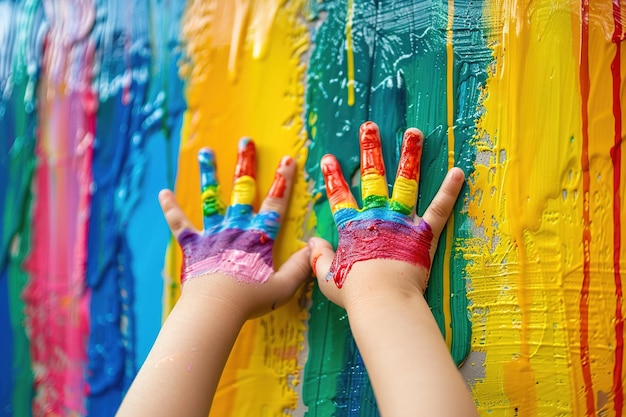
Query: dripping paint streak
584, 291
447, 313
616, 157
350, 53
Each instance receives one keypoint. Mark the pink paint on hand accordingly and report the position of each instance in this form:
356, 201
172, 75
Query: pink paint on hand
362, 240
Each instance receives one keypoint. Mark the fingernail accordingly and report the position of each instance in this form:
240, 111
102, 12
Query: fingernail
456, 174
286, 161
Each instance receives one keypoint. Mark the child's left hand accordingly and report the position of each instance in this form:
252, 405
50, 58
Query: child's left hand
231, 260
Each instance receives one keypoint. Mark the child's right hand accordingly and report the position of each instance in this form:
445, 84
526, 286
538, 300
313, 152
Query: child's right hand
384, 248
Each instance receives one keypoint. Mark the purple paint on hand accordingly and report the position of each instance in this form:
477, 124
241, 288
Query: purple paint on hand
243, 254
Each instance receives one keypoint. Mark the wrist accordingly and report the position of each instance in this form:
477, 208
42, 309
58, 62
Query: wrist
383, 282
216, 294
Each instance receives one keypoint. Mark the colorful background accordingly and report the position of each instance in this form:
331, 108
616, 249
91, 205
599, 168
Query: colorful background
104, 102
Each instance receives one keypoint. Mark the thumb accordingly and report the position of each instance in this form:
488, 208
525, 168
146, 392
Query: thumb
322, 255
293, 273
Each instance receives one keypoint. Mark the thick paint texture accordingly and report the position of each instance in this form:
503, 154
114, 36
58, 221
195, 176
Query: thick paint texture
402, 76
546, 293
74, 86
102, 103
371, 236
238, 243
245, 78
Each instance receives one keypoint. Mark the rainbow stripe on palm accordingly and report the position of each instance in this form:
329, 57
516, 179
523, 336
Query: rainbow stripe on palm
369, 233
235, 241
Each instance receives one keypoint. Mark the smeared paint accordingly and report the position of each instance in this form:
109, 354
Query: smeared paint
369, 233
544, 216
249, 56
400, 80
250, 261
616, 159
56, 298
364, 238
586, 235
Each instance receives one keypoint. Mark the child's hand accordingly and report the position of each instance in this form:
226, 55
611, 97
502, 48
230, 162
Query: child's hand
384, 243
232, 258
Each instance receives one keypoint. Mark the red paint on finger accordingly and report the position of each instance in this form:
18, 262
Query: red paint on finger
409, 166
277, 190
286, 161
337, 188
246, 159
314, 263
371, 152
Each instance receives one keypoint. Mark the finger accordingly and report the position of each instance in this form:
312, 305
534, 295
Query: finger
322, 256
373, 181
337, 190
244, 185
212, 205
275, 204
405, 188
295, 271
439, 210
174, 215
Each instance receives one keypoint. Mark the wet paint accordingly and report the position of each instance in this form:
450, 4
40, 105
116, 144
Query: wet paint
543, 205
249, 56
401, 79
19, 67
616, 159
371, 238
244, 255
56, 298
369, 233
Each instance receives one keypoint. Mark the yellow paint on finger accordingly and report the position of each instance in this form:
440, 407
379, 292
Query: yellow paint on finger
373, 185
405, 192
244, 190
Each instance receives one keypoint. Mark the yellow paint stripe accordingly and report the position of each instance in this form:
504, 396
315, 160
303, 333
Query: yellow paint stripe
350, 52
446, 292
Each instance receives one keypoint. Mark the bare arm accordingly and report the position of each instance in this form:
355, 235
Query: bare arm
227, 278
379, 275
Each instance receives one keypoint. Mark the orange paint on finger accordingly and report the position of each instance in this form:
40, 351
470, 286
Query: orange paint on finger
371, 152
337, 190
278, 186
314, 263
246, 159
409, 166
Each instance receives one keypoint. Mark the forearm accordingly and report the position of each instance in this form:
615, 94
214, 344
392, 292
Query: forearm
406, 357
181, 373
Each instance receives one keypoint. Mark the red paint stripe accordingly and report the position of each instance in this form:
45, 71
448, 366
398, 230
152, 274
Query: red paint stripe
616, 157
584, 291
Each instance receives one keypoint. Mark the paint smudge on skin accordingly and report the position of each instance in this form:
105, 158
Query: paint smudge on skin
250, 262
372, 238
238, 243
369, 233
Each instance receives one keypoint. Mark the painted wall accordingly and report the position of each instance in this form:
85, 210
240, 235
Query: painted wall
104, 102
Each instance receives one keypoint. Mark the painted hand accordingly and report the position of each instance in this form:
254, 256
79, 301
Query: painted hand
385, 228
237, 243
